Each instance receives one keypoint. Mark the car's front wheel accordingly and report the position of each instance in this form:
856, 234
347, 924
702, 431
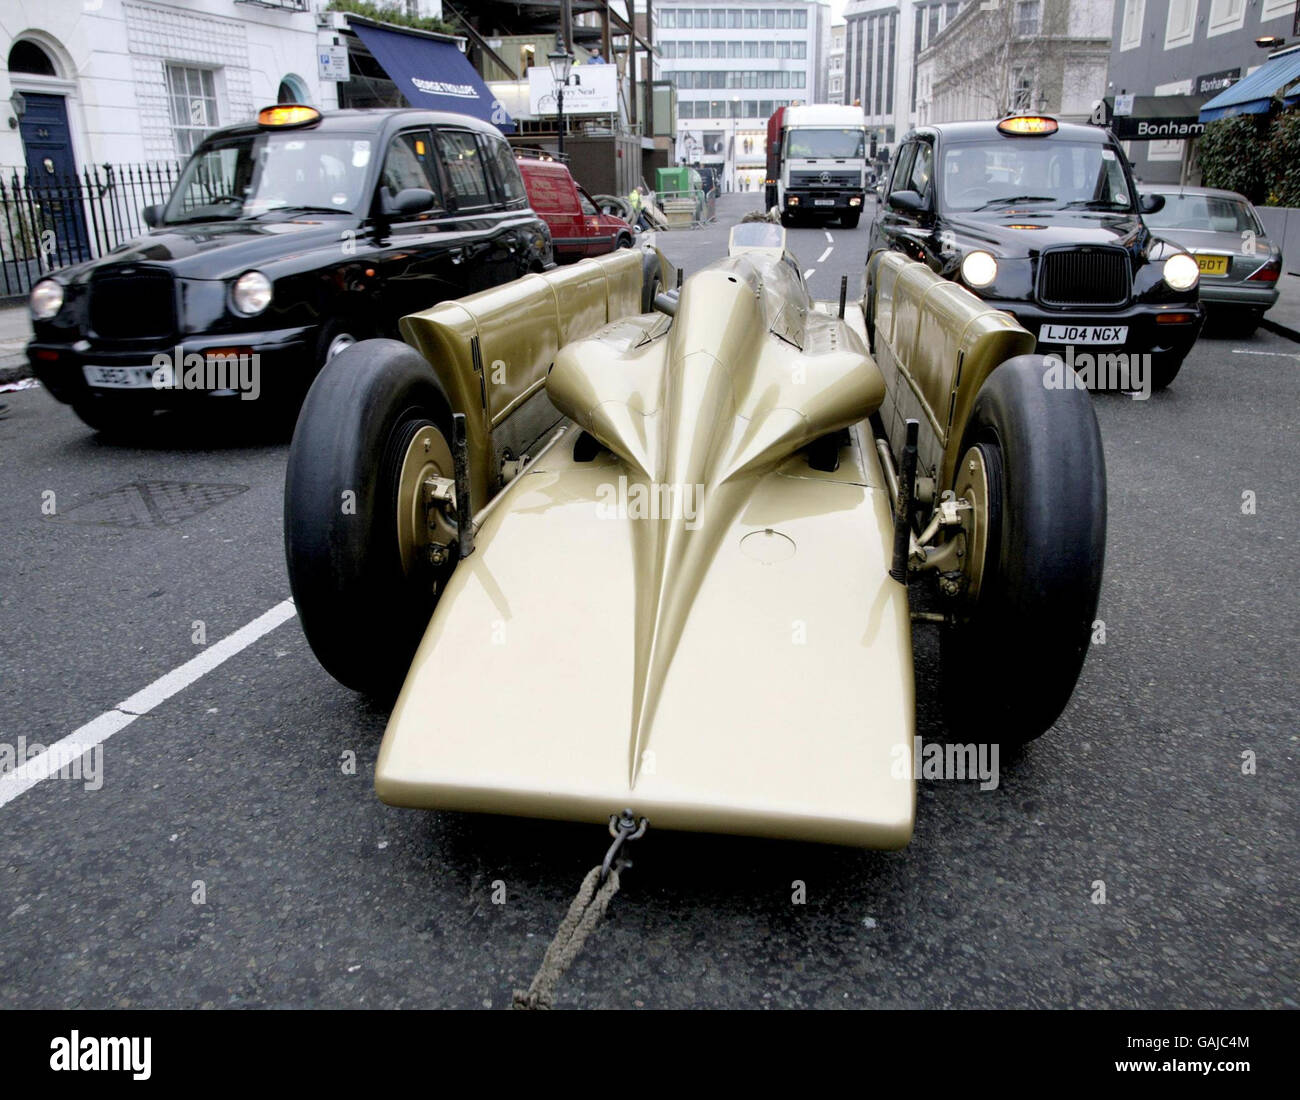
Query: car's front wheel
1033, 470
365, 560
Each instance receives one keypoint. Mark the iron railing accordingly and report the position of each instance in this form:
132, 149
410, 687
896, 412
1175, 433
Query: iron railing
48, 221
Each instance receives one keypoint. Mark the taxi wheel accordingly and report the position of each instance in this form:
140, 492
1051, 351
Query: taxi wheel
375, 424
1164, 369
1032, 461
113, 417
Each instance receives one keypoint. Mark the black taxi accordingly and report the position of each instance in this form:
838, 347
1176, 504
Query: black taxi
1043, 220
285, 240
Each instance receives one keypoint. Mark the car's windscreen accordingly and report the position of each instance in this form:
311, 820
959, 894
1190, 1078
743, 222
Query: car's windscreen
246, 177
825, 144
1209, 212
1049, 173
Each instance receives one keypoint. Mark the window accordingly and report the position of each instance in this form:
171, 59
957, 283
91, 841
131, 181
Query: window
767, 19
796, 79
1131, 31
733, 18
667, 18
670, 49
192, 96
801, 51
1028, 16
751, 49
1181, 25
719, 49
733, 49
463, 167
769, 49
717, 18
1226, 15
918, 177
685, 108
783, 19
801, 20
751, 17
1022, 89
686, 49
509, 183
409, 163
783, 49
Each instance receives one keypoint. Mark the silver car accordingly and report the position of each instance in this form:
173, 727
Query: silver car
1239, 265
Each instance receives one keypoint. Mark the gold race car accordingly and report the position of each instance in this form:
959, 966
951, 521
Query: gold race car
628, 547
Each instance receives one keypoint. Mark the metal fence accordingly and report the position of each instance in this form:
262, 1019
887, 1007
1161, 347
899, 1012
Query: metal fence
48, 222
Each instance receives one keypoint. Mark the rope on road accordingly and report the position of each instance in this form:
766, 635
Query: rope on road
594, 895
585, 910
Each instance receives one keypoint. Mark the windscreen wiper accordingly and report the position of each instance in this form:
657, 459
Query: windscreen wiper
1016, 198
1098, 204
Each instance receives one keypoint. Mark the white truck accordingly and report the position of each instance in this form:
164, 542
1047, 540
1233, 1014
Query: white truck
817, 164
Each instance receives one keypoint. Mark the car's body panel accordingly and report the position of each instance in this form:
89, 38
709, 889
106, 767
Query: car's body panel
492, 351
1246, 251
796, 717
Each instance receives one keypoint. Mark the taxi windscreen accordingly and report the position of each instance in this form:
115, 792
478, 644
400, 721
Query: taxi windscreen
254, 174
1058, 174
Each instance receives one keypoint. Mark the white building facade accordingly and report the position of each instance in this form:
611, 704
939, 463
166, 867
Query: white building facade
835, 66
136, 81
1031, 55
883, 40
733, 64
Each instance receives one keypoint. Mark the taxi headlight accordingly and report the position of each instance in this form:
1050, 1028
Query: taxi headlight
251, 293
46, 299
979, 269
1181, 272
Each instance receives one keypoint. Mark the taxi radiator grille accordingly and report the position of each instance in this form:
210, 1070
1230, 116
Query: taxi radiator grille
136, 306
1073, 277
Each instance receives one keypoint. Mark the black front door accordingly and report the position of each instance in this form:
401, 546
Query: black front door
52, 180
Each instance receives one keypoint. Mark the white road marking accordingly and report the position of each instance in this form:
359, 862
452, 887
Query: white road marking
1278, 354
808, 274
100, 729
829, 238
822, 258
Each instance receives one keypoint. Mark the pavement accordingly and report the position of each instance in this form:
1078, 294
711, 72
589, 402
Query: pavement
15, 331
232, 852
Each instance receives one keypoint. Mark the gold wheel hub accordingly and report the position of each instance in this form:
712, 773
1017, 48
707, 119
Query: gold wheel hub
420, 521
972, 485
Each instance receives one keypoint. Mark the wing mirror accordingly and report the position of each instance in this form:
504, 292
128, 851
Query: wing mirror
412, 200
1151, 204
909, 201
152, 215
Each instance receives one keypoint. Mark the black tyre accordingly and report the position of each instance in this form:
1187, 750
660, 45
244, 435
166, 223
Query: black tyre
364, 598
1012, 655
788, 220
850, 221
1164, 369
113, 417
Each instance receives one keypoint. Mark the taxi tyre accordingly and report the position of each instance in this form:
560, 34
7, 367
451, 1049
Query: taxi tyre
362, 615
1165, 368
1009, 662
113, 417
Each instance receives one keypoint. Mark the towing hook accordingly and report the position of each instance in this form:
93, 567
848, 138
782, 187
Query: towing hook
622, 827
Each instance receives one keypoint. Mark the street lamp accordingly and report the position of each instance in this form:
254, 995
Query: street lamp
560, 60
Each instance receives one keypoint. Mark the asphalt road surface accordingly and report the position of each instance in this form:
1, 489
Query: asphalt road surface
226, 857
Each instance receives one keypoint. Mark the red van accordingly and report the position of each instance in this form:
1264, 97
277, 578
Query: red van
577, 228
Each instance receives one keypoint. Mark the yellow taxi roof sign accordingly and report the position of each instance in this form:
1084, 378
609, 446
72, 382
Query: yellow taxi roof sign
1028, 125
287, 114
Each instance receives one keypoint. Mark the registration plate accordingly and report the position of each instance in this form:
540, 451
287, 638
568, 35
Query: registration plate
823, 202
119, 378
1212, 265
1083, 334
